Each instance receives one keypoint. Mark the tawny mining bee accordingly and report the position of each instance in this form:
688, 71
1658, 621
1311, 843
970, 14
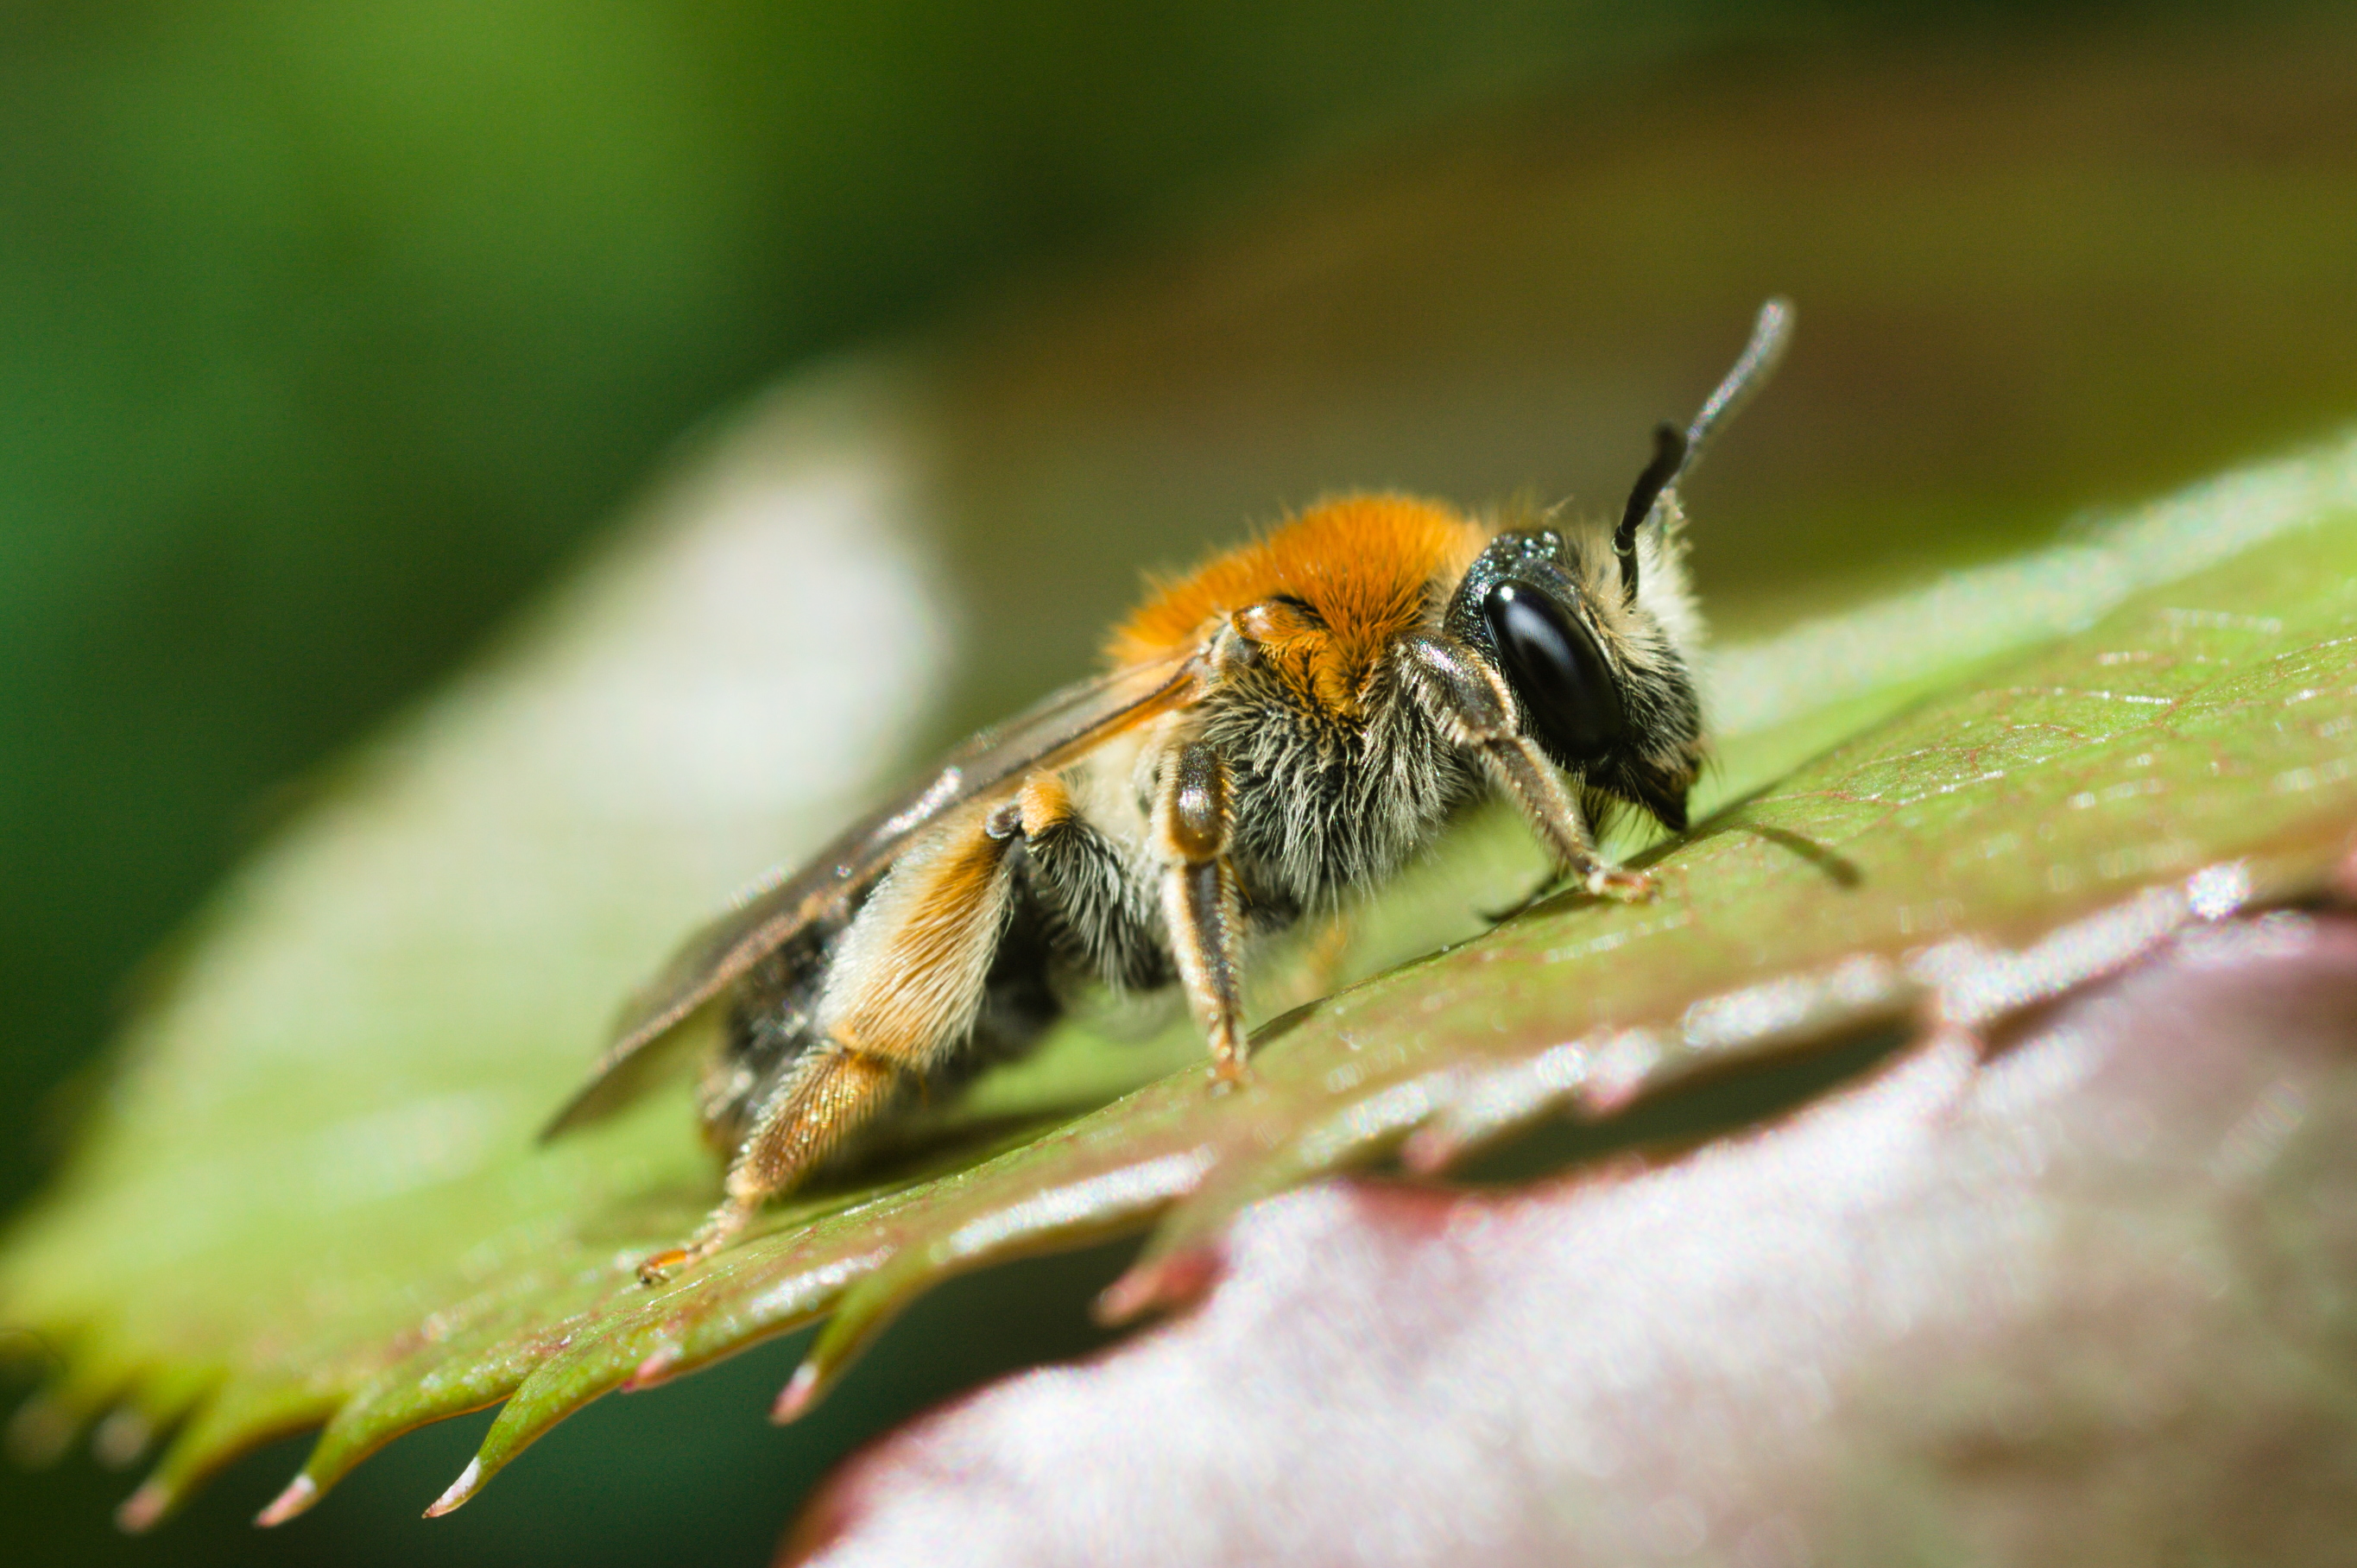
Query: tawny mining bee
1293, 720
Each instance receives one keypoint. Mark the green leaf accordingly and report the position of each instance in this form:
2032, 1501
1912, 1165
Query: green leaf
311, 1193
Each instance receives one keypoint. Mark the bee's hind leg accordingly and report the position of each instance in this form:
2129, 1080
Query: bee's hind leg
901, 994
833, 1091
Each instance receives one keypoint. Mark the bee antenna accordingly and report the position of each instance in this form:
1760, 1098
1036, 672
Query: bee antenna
1772, 334
1674, 455
1669, 456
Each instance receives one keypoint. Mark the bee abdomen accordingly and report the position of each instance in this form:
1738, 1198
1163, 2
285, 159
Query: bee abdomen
767, 1027
771, 1025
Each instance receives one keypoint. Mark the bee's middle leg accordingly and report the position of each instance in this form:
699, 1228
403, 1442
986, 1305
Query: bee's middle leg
1200, 901
900, 995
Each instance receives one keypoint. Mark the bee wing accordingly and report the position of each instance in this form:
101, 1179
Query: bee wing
1047, 736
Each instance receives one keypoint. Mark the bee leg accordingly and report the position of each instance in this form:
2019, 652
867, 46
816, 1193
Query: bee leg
1470, 704
1321, 959
1199, 898
901, 994
833, 1091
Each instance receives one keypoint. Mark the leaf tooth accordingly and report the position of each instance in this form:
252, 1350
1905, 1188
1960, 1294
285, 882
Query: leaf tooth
1383, 1109
165, 1395
410, 1394
250, 1410
120, 1440
1494, 1102
721, 1312
470, 1481
641, 1336
1978, 985
146, 1506
596, 1360
462, 1359
1434, 1114
762, 1303
297, 1498
659, 1367
986, 1227
1166, 1280
1606, 1072
153, 1401
43, 1428
801, 1391
97, 1370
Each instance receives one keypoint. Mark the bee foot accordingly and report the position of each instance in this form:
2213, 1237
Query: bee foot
724, 1223
1622, 886
659, 1266
1229, 1072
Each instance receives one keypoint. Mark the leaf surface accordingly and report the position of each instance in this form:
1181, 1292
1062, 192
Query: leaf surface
312, 1194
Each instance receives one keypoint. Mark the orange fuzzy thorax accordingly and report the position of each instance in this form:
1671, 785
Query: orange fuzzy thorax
1364, 564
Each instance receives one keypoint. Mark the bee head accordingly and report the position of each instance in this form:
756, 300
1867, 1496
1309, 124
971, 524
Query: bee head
1592, 632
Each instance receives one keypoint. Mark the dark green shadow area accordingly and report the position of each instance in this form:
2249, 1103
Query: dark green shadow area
1723, 1105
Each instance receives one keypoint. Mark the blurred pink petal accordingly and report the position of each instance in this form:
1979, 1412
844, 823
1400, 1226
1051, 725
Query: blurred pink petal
2090, 1301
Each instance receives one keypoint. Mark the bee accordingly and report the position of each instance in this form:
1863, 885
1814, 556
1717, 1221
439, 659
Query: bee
1294, 720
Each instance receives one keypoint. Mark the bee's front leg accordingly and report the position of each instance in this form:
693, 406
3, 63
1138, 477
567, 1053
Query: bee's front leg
1472, 706
1199, 903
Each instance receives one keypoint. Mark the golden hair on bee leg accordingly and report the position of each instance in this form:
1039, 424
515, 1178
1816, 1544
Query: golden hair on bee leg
901, 995
1043, 805
1314, 966
1200, 899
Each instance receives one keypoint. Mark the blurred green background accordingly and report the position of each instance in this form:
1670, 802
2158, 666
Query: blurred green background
329, 330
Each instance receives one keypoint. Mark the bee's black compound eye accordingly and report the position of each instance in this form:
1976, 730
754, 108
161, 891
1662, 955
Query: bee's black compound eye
1566, 688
